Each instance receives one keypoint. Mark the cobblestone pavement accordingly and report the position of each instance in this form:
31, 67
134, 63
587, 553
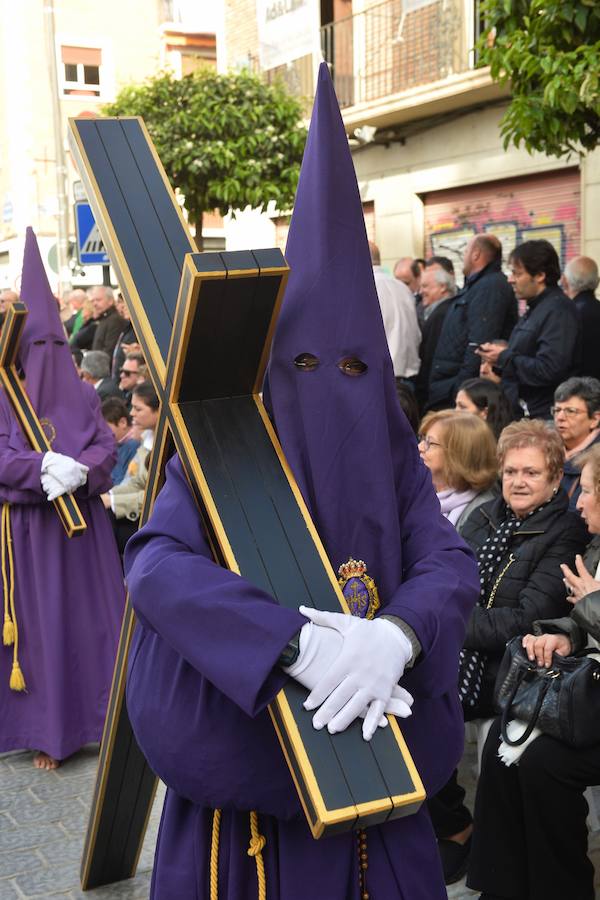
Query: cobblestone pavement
43, 818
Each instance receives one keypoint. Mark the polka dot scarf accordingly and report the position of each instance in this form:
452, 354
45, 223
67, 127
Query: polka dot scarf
490, 557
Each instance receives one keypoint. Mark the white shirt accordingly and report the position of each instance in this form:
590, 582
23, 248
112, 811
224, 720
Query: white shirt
400, 322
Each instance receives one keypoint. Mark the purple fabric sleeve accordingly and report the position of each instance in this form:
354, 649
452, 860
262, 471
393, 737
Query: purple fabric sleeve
437, 592
20, 469
227, 629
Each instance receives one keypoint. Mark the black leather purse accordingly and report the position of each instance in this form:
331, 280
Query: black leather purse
562, 701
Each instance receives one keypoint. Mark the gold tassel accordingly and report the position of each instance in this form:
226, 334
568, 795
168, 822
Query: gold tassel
257, 844
8, 632
17, 682
214, 855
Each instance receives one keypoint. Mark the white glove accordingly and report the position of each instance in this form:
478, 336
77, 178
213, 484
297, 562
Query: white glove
65, 470
511, 755
319, 648
52, 486
364, 674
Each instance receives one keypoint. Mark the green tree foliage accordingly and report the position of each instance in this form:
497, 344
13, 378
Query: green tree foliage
226, 141
549, 53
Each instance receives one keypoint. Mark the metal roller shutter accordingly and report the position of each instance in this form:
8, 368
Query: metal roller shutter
515, 210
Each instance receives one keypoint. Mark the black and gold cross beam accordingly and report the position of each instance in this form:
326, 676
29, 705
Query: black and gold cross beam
205, 322
66, 506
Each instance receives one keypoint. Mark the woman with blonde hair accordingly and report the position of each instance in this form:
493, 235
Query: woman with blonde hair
460, 452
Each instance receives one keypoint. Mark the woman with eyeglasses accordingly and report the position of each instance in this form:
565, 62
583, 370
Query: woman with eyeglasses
460, 452
576, 414
520, 540
530, 834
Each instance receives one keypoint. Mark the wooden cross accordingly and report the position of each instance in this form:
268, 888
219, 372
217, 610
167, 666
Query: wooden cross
66, 506
205, 322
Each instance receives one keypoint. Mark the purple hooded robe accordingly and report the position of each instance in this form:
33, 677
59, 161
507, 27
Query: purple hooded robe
204, 662
69, 593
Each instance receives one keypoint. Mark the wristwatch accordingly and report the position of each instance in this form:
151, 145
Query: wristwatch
290, 652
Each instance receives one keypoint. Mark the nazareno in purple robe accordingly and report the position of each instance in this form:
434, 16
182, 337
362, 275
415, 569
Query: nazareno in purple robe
69, 593
203, 665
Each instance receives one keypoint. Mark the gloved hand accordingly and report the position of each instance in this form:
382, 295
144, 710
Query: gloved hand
67, 471
319, 648
364, 674
52, 486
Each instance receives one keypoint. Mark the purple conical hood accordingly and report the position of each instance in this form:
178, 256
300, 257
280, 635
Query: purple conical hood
52, 383
348, 442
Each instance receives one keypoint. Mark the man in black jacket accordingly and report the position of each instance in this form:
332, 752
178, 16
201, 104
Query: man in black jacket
437, 291
485, 309
545, 346
580, 280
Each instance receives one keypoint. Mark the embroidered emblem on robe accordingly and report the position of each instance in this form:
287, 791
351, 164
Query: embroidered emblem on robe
358, 588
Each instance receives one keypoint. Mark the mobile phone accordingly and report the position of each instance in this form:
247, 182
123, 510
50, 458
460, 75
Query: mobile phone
474, 345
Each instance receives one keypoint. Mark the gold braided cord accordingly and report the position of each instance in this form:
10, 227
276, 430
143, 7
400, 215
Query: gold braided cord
8, 631
214, 855
17, 681
257, 843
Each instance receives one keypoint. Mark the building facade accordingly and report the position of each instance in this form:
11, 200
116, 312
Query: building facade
423, 122
97, 49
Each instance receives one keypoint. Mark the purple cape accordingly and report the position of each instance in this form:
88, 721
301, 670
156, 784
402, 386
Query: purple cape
203, 666
69, 593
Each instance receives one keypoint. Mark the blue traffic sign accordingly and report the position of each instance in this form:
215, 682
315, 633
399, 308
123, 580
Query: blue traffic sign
90, 249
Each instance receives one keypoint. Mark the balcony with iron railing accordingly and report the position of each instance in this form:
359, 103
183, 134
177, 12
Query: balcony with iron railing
400, 59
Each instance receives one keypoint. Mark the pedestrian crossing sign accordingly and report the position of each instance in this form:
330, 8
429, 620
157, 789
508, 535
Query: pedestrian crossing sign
90, 248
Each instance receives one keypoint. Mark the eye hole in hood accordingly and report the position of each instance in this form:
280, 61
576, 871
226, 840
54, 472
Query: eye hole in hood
306, 362
352, 365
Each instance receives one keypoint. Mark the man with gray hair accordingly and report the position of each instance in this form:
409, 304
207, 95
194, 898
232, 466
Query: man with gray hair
110, 323
95, 369
580, 280
438, 287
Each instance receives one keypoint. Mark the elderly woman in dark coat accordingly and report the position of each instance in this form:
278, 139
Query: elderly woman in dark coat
520, 540
530, 836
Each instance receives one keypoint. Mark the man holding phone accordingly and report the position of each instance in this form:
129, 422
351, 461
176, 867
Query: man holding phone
545, 347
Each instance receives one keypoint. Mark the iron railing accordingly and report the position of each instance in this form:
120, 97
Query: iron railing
396, 45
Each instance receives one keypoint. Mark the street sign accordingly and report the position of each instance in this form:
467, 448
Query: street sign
90, 249
79, 194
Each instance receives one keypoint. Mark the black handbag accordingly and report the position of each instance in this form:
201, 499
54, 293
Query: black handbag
562, 701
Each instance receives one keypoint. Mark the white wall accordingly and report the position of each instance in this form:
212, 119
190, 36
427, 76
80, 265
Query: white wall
465, 151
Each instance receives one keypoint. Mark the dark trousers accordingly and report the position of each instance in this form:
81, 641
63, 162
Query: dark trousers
530, 833
448, 812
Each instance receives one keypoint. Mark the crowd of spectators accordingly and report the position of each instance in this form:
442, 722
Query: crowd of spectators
506, 412
510, 431
108, 356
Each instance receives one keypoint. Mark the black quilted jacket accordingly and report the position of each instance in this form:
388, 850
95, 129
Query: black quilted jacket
531, 587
